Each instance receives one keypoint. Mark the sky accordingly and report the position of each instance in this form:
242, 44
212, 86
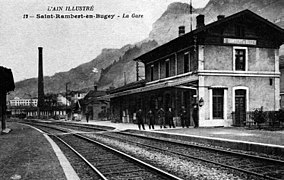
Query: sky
68, 43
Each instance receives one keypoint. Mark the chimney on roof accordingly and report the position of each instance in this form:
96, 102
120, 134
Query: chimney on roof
220, 17
181, 30
200, 21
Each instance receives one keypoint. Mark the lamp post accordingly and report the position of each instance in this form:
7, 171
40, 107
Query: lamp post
201, 102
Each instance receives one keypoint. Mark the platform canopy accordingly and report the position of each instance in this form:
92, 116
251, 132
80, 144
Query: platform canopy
178, 82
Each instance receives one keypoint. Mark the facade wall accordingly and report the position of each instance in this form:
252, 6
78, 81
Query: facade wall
148, 72
193, 60
172, 66
176, 65
23, 102
260, 93
156, 71
96, 110
218, 57
221, 58
62, 100
162, 69
180, 62
261, 59
282, 80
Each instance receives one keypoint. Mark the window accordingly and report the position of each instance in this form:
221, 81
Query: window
152, 73
240, 55
218, 103
186, 63
167, 68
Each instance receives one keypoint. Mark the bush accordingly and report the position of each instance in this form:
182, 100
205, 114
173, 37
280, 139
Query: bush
258, 116
280, 115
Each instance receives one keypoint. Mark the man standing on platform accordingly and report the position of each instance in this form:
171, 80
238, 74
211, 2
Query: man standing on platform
195, 115
170, 117
161, 118
87, 116
151, 118
139, 117
184, 117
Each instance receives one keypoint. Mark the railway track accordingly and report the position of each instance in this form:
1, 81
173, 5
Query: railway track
105, 162
255, 166
73, 126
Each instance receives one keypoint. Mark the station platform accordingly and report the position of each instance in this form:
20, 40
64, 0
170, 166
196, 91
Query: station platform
261, 141
26, 153
233, 133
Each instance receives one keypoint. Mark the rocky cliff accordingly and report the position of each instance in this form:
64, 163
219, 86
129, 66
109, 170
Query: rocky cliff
178, 14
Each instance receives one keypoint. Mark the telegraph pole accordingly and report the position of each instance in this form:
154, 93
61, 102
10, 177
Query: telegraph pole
124, 75
137, 71
190, 15
138, 76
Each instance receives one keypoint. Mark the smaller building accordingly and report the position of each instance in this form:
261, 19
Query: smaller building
23, 102
94, 106
18, 106
62, 100
54, 106
77, 95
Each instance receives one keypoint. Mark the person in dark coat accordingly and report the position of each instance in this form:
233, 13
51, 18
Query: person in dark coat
170, 116
161, 117
139, 117
151, 119
184, 117
195, 115
87, 116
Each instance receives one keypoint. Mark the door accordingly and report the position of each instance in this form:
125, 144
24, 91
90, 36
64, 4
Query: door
240, 107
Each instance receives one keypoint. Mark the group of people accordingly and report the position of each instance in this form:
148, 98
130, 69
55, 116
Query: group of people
166, 118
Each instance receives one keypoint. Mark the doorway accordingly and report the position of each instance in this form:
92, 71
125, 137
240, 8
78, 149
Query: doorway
240, 107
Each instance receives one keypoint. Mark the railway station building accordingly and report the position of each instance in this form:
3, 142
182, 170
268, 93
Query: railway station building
229, 68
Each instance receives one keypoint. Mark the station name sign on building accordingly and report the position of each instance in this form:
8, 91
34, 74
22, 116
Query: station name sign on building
239, 41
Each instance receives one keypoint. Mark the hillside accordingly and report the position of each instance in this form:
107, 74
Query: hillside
178, 14
79, 77
113, 63
114, 74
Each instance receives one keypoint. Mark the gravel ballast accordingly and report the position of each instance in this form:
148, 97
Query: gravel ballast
176, 165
